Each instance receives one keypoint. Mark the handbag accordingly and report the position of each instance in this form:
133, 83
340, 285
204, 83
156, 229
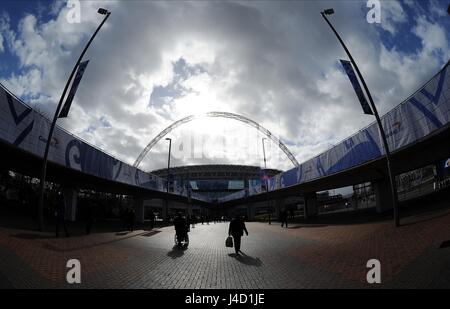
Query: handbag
229, 242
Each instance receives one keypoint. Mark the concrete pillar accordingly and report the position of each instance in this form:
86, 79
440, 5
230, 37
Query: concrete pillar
71, 199
139, 209
383, 198
311, 210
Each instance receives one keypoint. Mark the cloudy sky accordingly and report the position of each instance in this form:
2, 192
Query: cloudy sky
274, 62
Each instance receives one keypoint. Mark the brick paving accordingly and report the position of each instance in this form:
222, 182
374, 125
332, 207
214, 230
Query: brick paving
302, 256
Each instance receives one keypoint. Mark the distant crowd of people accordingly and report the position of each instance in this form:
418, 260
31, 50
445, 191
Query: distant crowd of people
202, 218
90, 208
19, 192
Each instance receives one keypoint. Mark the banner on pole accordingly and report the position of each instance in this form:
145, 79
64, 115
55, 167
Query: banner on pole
355, 83
65, 109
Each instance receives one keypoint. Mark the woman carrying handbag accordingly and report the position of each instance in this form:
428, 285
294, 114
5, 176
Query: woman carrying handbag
236, 229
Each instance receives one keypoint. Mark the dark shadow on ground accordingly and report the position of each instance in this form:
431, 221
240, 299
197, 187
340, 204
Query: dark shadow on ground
151, 233
413, 222
32, 236
177, 251
5, 284
246, 259
58, 249
306, 226
445, 244
21, 218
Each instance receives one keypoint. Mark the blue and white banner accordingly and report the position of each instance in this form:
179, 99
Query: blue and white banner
254, 186
233, 196
347, 65
426, 111
27, 129
76, 82
420, 115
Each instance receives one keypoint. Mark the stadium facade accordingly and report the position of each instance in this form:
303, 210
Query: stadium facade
215, 180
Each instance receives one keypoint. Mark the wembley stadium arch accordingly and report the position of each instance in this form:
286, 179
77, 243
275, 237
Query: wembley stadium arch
226, 115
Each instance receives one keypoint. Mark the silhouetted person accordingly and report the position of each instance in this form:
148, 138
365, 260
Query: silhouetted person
61, 214
202, 219
189, 222
181, 227
152, 219
236, 229
284, 218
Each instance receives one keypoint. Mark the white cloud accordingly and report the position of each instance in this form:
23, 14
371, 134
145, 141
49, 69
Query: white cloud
433, 36
438, 9
56, 7
4, 26
392, 14
274, 62
413, 68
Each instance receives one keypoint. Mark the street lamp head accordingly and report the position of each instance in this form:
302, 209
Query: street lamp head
328, 12
103, 11
168, 139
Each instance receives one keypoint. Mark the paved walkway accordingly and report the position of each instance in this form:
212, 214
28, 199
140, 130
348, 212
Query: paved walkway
302, 256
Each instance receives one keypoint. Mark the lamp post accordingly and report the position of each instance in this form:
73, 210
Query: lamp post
168, 177
264, 152
265, 178
55, 117
375, 111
